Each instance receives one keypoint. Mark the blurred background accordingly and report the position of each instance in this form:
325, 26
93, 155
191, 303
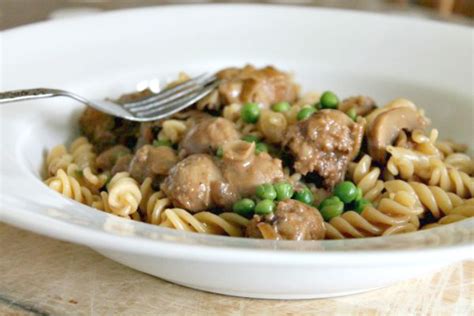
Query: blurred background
19, 12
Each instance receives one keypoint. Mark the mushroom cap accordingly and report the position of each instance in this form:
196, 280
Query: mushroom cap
397, 103
386, 126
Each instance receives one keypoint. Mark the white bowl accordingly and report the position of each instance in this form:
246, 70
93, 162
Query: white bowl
350, 53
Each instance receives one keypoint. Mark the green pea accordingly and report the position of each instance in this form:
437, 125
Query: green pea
360, 205
261, 147
329, 200
304, 195
264, 207
250, 113
283, 191
352, 113
281, 107
219, 152
329, 100
317, 106
244, 207
162, 142
266, 192
305, 113
346, 191
250, 138
331, 207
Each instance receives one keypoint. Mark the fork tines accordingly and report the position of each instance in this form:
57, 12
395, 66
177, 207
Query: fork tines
167, 99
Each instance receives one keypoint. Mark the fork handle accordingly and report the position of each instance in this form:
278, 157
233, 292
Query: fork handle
30, 94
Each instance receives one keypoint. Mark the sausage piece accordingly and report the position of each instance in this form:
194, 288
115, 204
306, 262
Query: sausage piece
292, 220
207, 135
324, 143
150, 161
244, 170
189, 183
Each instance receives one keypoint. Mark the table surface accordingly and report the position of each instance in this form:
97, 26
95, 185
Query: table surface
19, 12
43, 276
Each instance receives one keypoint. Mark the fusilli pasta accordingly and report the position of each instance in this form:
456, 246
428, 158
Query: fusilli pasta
57, 158
433, 198
392, 215
426, 143
366, 178
204, 222
452, 180
124, 194
172, 130
461, 162
68, 186
461, 212
82, 153
448, 147
409, 164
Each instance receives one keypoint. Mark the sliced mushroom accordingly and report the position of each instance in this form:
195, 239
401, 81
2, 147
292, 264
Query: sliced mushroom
395, 104
386, 127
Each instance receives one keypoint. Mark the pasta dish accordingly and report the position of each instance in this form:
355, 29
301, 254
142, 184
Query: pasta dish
255, 158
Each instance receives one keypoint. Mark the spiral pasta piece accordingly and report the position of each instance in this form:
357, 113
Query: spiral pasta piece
102, 203
84, 157
172, 130
69, 187
124, 194
204, 222
409, 164
458, 213
400, 229
86, 178
465, 209
392, 215
433, 198
366, 178
153, 203
426, 144
452, 180
448, 147
57, 158
94, 181
146, 190
83, 153
461, 162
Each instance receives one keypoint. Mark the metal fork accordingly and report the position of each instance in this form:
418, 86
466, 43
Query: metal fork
155, 107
